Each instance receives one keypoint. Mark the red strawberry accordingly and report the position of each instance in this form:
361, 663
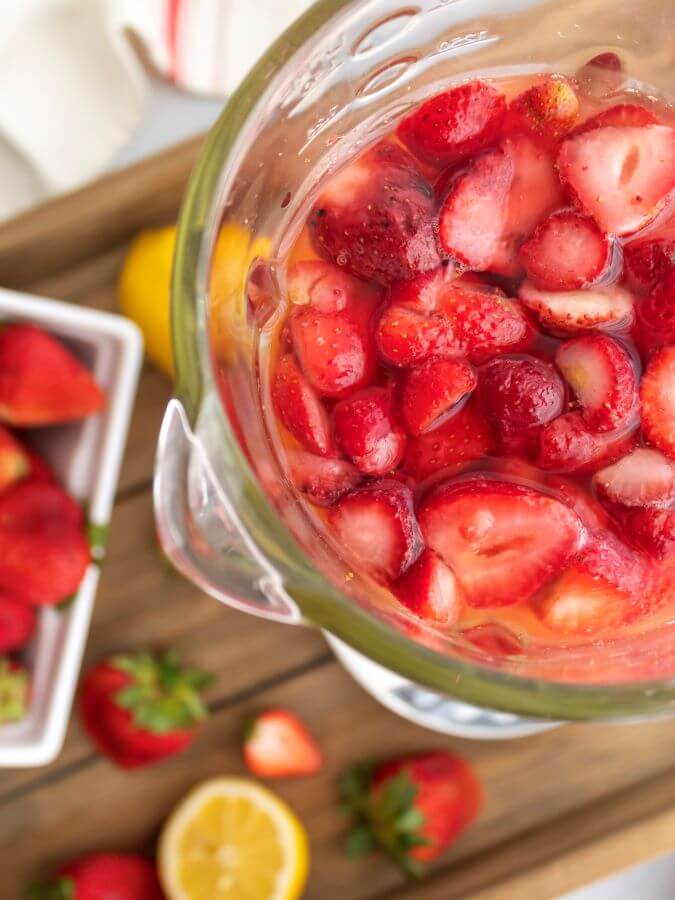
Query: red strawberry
430, 391
503, 541
455, 124
17, 623
584, 504
429, 590
376, 527
413, 807
657, 395
566, 251
493, 640
14, 463
14, 690
567, 445
139, 708
623, 115
336, 350
299, 408
42, 383
497, 203
322, 480
571, 311
600, 372
451, 447
278, 745
375, 217
520, 394
327, 288
653, 530
642, 478
548, 110
367, 430
601, 592
650, 260
39, 521
103, 876
621, 176
486, 324
406, 337
38, 469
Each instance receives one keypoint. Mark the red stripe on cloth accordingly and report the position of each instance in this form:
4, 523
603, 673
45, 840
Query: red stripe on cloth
172, 14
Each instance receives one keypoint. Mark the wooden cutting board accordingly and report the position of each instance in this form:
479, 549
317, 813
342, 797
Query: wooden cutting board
562, 809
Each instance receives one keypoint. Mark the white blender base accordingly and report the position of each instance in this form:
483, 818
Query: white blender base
434, 711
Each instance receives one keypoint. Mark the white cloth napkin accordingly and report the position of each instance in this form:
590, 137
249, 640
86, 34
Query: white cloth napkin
73, 79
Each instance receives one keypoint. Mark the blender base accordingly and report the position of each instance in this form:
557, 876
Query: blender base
428, 709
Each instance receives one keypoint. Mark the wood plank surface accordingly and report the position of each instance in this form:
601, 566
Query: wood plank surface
561, 808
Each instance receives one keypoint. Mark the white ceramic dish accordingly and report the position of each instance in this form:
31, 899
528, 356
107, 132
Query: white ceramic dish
86, 456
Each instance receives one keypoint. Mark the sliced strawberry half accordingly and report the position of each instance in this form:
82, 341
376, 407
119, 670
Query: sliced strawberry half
623, 115
547, 110
455, 124
621, 176
459, 441
406, 337
430, 391
584, 504
336, 351
600, 372
327, 288
429, 590
650, 260
375, 217
14, 463
323, 481
571, 311
299, 408
657, 395
520, 395
279, 745
376, 528
485, 323
642, 478
368, 431
601, 592
568, 445
566, 251
653, 530
502, 540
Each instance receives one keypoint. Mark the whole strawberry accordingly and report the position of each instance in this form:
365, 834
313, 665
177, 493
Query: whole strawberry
140, 708
413, 807
103, 876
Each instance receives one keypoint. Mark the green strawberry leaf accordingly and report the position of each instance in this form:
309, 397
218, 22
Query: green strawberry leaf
359, 841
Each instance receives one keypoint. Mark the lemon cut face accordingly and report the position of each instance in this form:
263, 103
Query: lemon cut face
231, 839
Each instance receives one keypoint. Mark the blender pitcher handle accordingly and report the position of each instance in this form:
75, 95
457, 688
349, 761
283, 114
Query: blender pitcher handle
200, 531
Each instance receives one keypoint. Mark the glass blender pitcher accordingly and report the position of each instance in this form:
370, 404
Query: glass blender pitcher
227, 517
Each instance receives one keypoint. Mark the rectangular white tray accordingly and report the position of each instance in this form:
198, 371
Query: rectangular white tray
86, 456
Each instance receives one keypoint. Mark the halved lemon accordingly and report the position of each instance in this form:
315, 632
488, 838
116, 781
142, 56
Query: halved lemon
231, 839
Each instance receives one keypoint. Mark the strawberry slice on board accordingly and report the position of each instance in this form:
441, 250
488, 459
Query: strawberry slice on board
568, 445
376, 528
299, 409
41, 382
430, 392
643, 478
412, 807
278, 745
520, 395
653, 530
657, 396
429, 590
622, 115
367, 430
601, 373
548, 111
567, 312
502, 540
327, 288
454, 125
140, 708
321, 480
14, 462
622, 177
459, 441
567, 251
17, 623
375, 217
